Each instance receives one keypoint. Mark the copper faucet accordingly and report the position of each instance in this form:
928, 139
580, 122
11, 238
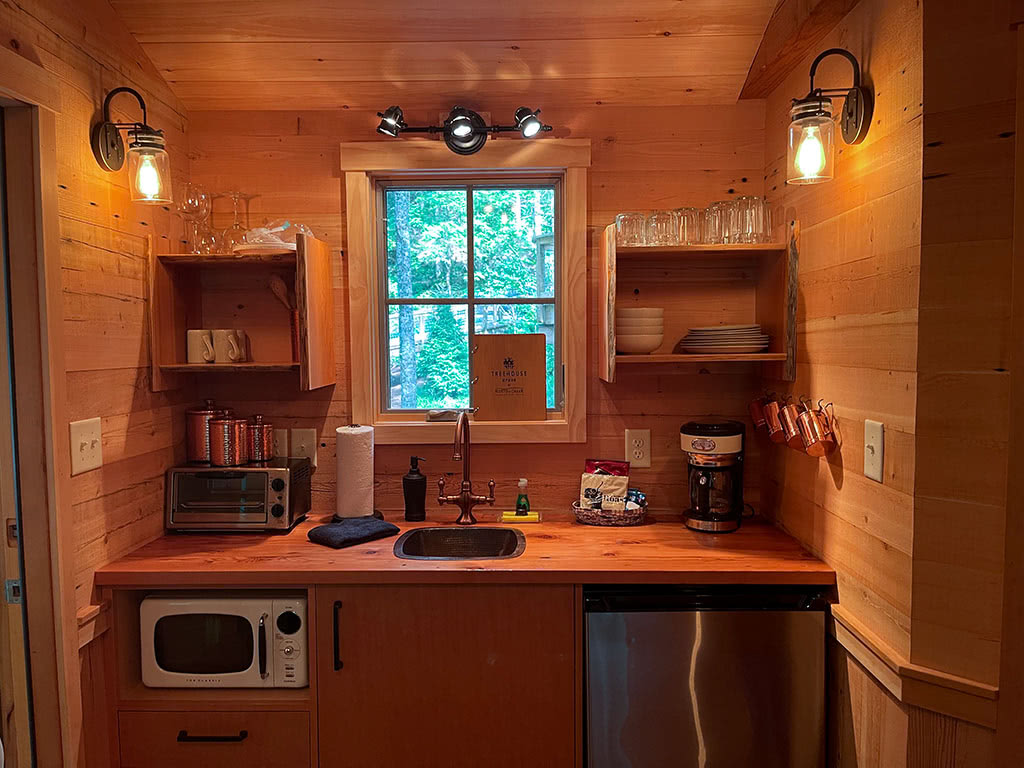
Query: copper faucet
464, 499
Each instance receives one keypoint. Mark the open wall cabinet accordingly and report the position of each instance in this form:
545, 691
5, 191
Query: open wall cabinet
701, 285
190, 291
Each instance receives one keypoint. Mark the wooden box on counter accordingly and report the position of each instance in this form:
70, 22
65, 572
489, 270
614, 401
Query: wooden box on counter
189, 291
701, 285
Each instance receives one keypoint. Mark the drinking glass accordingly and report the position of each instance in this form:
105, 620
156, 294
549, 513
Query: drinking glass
193, 207
663, 228
630, 229
754, 220
714, 229
689, 221
235, 233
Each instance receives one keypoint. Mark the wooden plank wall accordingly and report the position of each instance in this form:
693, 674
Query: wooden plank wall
963, 389
690, 155
857, 319
103, 249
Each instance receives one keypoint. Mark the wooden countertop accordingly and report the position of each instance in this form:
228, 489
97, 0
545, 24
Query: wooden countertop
556, 552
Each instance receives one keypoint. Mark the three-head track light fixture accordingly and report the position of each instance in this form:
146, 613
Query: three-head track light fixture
464, 131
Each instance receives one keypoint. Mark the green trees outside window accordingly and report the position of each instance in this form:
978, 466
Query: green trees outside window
446, 282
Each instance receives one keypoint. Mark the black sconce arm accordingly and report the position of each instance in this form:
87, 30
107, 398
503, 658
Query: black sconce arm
138, 97
834, 91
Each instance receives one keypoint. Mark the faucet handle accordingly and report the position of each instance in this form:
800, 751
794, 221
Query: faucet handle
441, 498
490, 492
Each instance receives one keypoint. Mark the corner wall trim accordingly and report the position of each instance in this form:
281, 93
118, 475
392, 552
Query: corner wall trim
912, 684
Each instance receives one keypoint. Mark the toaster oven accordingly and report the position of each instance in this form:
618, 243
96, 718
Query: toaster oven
271, 496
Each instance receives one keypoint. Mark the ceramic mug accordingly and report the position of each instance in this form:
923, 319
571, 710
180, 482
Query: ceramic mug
243, 345
226, 346
199, 346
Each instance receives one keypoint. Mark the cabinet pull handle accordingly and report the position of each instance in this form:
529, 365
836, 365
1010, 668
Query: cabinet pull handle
338, 664
184, 738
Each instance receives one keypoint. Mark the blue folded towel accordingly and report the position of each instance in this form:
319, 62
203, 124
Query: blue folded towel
349, 531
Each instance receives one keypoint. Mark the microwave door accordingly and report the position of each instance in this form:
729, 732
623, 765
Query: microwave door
220, 499
206, 643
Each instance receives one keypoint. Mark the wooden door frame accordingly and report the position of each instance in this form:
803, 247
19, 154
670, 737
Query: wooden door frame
41, 405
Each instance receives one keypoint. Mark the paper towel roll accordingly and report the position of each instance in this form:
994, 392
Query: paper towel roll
355, 471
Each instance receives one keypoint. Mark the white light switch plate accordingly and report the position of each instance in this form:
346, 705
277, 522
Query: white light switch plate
874, 449
86, 445
280, 442
304, 444
638, 447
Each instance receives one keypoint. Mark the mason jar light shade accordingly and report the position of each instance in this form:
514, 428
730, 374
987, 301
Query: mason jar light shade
149, 173
811, 155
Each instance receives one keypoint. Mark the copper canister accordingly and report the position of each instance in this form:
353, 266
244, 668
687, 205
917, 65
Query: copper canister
197, 432
261, 440
228, 442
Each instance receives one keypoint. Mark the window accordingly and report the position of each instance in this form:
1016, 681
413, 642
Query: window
439, 249
458, 259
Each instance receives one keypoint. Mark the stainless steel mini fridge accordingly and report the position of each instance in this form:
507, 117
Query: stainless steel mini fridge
713, 677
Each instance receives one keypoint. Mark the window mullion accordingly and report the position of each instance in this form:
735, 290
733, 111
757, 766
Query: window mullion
470, 307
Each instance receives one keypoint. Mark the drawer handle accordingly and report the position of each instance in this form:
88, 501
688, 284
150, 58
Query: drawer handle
184, 738
338, 664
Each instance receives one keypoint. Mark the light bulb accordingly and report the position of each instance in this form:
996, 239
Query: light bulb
530, 128
810, 155
462, 128
147, 179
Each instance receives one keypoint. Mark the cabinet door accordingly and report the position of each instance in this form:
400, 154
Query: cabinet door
453, 675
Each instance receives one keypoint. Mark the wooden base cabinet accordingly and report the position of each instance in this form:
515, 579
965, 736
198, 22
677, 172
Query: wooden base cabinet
449, 675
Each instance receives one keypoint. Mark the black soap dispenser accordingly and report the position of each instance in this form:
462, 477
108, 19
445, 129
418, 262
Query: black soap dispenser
414, 486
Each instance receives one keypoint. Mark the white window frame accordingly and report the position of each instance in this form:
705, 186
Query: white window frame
364, 164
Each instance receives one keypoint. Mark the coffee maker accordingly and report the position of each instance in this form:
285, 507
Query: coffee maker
714, 453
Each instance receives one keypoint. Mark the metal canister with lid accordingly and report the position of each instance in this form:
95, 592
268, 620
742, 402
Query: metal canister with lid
228, 442
261, 439
197, 431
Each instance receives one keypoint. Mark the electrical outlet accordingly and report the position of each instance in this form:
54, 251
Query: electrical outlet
638, 447
280, 442
86, 445
874, 449
304, 444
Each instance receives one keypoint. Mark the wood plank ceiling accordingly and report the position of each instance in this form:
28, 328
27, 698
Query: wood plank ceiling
365, 54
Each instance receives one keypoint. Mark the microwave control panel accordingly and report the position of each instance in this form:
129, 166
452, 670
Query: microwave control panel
290, 643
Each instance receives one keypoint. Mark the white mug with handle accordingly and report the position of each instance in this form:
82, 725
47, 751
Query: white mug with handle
199, 346
226, 348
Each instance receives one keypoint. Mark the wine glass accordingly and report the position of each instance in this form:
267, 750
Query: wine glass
193, 207
235, 233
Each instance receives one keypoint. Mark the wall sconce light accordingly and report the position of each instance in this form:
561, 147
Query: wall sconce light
149, 169
811, 155
464, 131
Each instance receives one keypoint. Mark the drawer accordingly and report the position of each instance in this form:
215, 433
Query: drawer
221, 739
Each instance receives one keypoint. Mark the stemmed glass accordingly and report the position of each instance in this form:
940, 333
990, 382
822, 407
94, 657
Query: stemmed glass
193, 207
235, 233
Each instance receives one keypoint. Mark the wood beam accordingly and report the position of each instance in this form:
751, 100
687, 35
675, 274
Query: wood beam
793, 31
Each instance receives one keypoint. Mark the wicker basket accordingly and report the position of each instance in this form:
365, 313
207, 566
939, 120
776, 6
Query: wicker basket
609, 517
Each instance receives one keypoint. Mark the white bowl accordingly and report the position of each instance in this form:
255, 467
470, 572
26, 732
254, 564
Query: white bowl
635, 321
638, 344
634, 330
634, 312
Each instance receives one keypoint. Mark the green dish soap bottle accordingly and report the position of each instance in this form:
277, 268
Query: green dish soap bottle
522, 500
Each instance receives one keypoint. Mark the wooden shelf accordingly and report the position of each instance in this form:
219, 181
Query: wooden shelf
253, 367
751, 357
701, 285
728, 250
189, 291
283, 258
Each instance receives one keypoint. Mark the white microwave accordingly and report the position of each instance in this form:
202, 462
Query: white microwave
224, 642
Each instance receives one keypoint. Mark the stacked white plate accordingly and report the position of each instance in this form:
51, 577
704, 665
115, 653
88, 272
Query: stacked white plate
639, 330
724, 340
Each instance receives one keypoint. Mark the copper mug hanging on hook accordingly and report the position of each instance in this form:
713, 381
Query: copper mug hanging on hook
816, 430
772, 421
756, 409
789, 416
